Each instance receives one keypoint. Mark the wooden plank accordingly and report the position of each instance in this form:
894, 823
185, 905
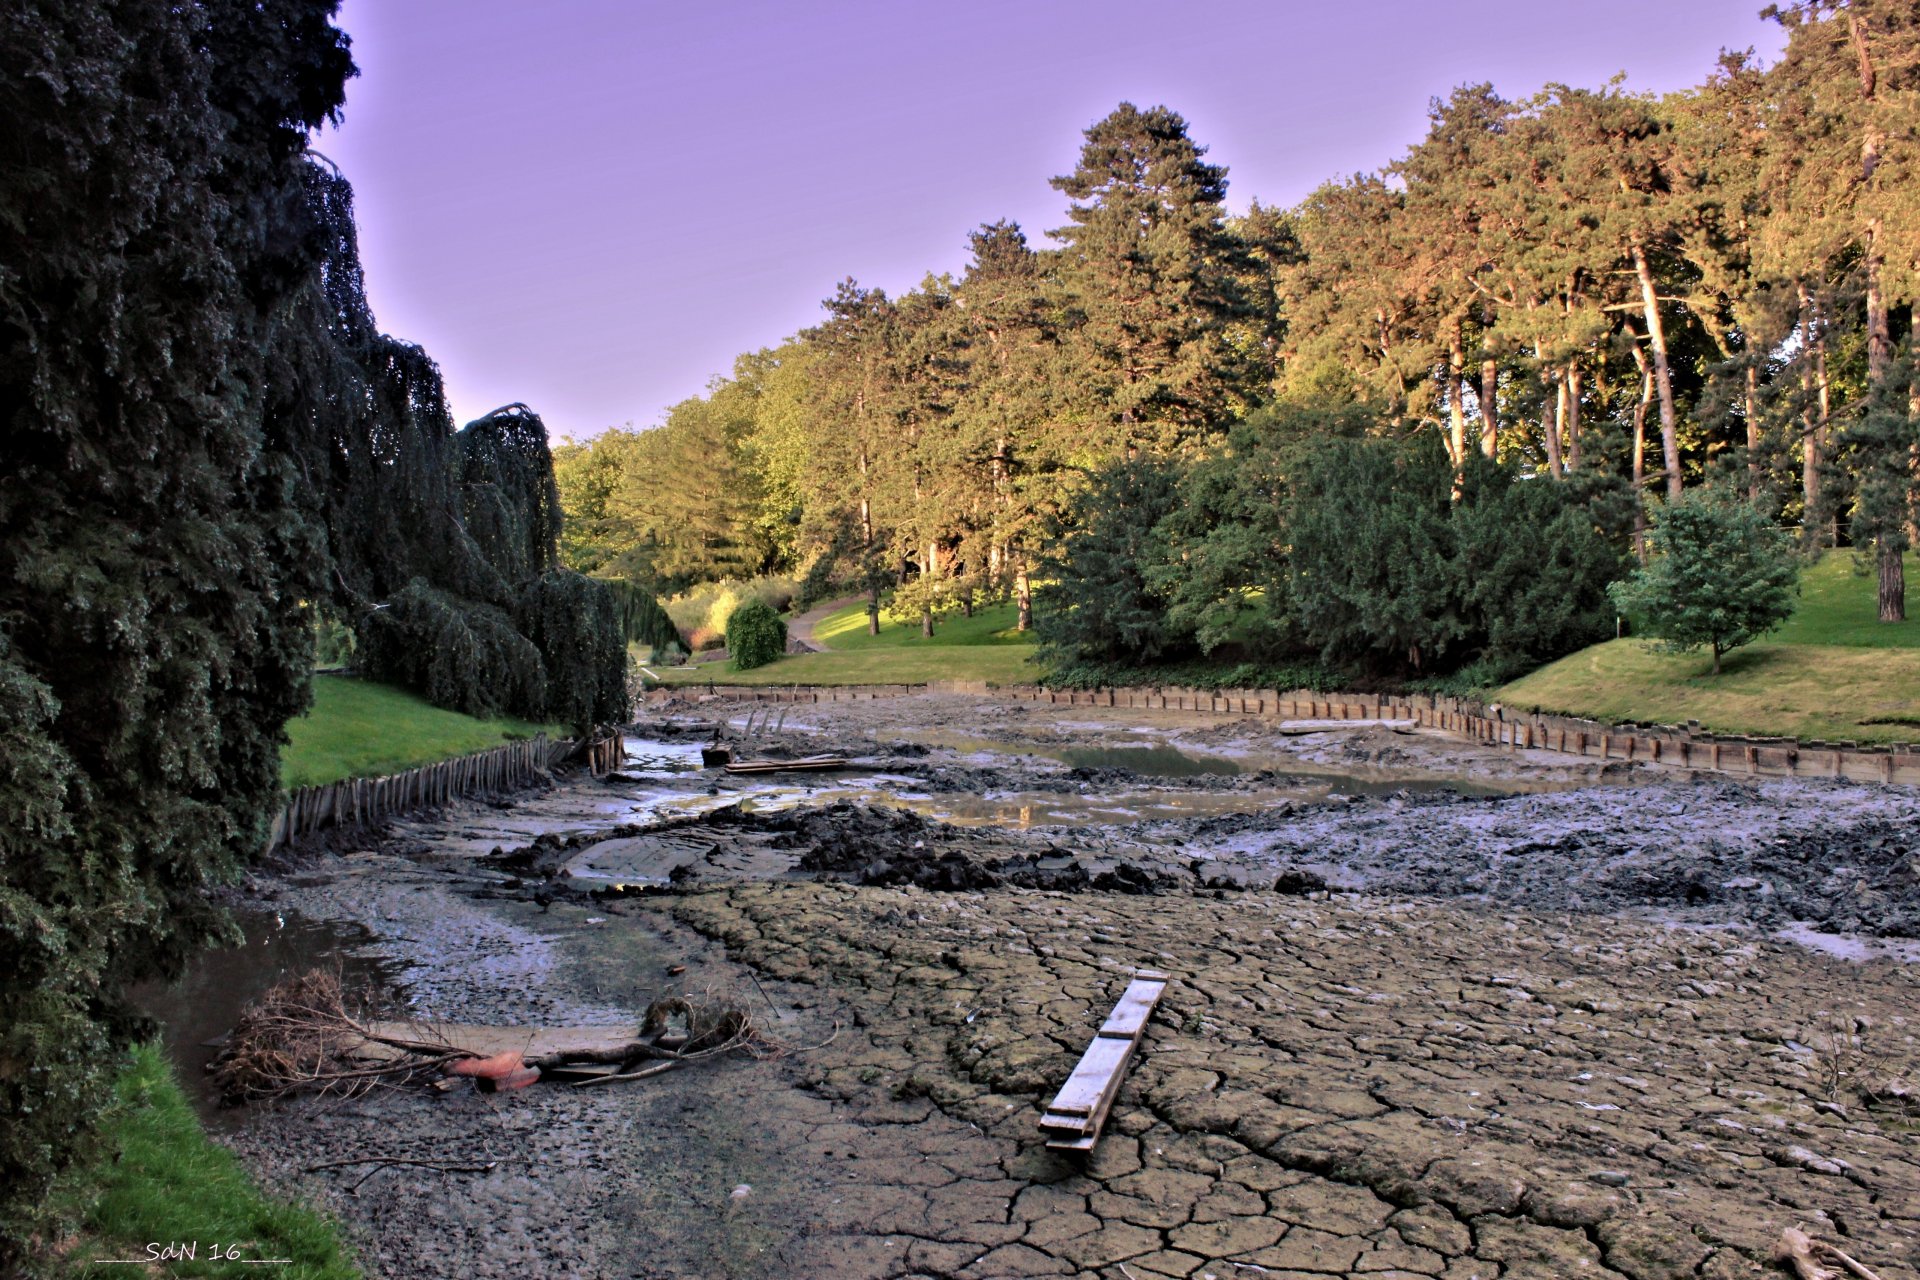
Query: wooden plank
1080, 1095
1136, 1004
1077, 1113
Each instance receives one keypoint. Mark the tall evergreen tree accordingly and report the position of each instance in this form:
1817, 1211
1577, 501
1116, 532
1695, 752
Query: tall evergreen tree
1155, 283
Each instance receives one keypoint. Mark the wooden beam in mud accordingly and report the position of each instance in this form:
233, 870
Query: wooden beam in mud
1078, 1112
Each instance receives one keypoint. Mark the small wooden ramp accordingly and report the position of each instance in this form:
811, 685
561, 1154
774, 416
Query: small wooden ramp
1077, 1113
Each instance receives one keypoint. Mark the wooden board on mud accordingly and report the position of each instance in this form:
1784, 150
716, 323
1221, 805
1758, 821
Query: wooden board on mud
1078, 1112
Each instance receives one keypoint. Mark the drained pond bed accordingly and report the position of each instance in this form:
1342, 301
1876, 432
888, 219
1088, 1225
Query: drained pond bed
1547, 1029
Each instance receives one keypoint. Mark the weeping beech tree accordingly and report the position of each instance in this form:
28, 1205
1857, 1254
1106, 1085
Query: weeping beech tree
445, 544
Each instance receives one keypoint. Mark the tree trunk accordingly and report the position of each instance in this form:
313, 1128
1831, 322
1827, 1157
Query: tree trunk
1489, 407
1573, 388
1456, 398
1716, 657
1022, 594
1813, 421
1640, 454
1663, 382
1893, 582
931, 570
1753, 431
1552, 423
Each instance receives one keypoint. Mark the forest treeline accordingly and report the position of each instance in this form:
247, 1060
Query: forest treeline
209, 444
1612, 294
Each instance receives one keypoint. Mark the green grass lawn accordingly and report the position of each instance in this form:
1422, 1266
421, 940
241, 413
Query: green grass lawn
994, 663
359, 729
847, 629
1832, 671
1839, 604
161, 1180
983, 647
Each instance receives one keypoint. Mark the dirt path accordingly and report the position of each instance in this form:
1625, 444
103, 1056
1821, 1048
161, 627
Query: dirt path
1502, 1059
801, 629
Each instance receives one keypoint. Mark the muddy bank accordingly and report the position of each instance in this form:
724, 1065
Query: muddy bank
1843, 857
1492, 1062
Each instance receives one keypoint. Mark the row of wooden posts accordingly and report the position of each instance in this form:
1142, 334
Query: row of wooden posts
357, 802
1683, 746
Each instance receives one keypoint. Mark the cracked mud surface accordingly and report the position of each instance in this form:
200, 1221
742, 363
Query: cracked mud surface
1503, 1059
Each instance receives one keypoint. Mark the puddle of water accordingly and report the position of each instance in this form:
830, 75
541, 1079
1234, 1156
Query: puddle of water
1849, 946
644, 755
218, 985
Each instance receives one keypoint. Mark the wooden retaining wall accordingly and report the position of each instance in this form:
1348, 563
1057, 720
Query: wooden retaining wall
355, 802
1681, 746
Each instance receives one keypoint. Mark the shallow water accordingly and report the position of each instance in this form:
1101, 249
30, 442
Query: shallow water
198, 1011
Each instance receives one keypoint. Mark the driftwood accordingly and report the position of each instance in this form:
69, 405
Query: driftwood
1809, 1257
310, 1035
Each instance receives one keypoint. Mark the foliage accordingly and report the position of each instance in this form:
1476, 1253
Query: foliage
1613, 292
464, 657
573, 623
1100, 603
756, 636
1370, 574
708, 607
1720, 576
166, 1180
359, 729
1199, 675
155, 538
643, 621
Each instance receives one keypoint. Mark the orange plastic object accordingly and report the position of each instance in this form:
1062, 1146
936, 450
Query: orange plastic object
498, 1067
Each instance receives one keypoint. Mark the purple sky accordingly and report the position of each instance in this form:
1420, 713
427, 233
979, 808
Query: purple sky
594, 205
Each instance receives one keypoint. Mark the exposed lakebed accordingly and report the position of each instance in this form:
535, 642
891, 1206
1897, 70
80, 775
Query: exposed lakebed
1438, 1009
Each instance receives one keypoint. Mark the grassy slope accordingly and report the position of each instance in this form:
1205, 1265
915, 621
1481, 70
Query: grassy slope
847, 629
163, 1181
1824, 674
983, 647
360, 729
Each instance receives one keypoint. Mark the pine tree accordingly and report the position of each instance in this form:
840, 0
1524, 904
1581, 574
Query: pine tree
1154, 283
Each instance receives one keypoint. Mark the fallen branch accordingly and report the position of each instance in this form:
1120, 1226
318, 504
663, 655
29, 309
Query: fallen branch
389, 1162
1807, 1256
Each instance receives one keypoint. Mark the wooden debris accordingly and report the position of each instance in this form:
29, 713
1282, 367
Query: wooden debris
1808, 1258
1078, 1112
787, 766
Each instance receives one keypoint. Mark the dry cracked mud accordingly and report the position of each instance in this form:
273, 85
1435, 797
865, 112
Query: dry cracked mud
1550, 1033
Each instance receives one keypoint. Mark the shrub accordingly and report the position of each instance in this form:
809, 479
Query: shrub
755, 636
1722, 574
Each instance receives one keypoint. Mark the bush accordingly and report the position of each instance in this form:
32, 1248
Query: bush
755, 636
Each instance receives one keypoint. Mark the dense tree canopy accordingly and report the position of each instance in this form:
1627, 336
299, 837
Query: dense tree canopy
1625, 295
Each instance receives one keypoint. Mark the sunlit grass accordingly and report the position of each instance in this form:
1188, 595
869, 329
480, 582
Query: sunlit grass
995, 663
846, 628
359, 729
